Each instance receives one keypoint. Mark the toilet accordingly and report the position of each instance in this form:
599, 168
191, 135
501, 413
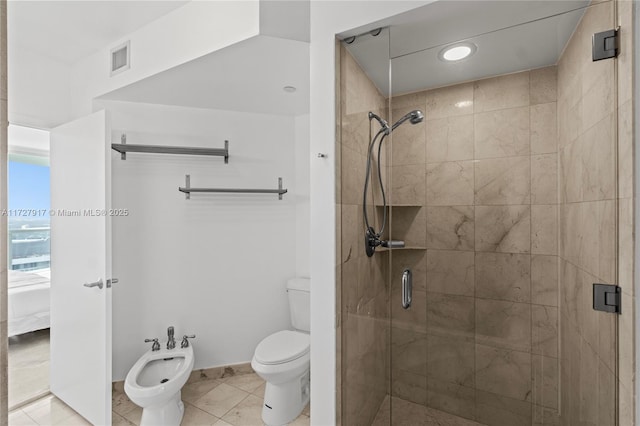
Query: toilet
155, 382
282, 360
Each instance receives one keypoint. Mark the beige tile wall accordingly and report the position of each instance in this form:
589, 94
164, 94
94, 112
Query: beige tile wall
596, 181
363, 349
481, 339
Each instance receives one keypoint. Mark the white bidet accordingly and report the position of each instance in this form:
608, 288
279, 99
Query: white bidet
154, 383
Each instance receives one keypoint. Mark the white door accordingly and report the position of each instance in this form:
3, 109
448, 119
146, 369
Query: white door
80, 265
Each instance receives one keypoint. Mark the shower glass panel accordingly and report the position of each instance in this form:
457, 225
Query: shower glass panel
505, 196
363, 381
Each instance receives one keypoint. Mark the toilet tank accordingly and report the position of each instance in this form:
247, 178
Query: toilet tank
298, 290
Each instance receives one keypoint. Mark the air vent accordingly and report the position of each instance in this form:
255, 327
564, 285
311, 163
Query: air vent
120, 58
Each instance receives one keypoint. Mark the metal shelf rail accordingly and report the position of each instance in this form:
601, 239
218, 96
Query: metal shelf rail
187, 189
123, 148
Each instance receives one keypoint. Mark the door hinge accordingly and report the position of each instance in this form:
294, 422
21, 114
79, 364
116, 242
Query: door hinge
607, 298
605, 45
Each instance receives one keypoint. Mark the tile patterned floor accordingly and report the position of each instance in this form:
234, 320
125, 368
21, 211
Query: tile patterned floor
407, 413
231, 401
28, 366
235, 401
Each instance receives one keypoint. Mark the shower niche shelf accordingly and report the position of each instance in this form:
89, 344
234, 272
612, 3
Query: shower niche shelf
123, 148
401, 205
383, 249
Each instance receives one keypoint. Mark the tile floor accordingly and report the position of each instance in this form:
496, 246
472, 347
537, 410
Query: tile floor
407, 413
28, 366
235, 401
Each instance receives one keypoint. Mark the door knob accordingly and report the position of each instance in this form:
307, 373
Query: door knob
98, 284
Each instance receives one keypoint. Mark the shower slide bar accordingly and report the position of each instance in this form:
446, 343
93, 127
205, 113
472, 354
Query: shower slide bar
123, 148
187, 189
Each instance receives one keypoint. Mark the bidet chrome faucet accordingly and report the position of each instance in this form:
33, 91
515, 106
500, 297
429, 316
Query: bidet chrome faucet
185, 341
155, 346
171, 343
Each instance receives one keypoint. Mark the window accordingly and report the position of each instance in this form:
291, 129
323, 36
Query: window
28, 215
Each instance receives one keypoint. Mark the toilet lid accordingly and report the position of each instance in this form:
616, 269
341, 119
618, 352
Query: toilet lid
282, 347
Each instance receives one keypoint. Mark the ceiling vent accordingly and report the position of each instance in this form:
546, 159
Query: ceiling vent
120, 58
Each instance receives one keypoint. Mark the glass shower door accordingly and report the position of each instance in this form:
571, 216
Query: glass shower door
507, 198
362, 276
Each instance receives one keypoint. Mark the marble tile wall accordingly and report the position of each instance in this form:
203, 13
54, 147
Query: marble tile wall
363, 348
474, 190
596, 221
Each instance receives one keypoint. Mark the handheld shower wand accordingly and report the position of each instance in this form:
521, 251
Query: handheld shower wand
372, 238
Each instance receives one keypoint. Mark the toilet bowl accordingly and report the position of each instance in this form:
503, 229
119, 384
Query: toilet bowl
282, 359
154, 383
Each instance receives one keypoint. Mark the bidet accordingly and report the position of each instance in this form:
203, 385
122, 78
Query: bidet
155, 382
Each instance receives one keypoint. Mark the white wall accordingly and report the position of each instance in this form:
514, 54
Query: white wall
189, 32
303, 240
328, 19
215, 265
39, 89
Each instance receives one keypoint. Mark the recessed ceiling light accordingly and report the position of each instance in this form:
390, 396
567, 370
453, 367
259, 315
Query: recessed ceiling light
457, 52
289, 89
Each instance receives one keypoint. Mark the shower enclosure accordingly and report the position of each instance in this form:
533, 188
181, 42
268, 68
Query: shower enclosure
512, 197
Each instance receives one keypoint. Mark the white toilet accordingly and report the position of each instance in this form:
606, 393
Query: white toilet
154, 383
282, 360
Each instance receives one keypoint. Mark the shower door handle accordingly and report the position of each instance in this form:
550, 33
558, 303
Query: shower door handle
407, 288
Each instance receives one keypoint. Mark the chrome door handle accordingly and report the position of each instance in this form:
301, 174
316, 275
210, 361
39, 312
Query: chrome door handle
98, 284
407, 288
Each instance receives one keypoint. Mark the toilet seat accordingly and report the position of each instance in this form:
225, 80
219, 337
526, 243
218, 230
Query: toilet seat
282, 347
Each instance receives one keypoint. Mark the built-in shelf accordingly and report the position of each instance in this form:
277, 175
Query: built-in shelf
400, 205
402, 248
123, 148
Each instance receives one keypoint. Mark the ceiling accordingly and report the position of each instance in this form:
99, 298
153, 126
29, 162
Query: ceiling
510, 36
68, 31
248, 76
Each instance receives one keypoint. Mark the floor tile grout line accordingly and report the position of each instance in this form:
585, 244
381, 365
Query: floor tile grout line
231, 409
200, 409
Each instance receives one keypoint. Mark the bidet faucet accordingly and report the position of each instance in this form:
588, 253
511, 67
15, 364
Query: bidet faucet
185, 341
171, 343
155, 346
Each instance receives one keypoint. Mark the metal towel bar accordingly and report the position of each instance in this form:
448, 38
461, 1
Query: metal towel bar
123, 148
187, 189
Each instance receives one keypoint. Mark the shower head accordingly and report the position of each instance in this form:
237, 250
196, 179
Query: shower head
383, 122
414, 117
